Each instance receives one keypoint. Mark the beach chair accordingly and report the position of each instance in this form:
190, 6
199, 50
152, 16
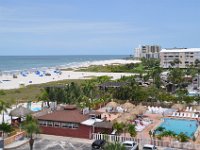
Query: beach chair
196, 116
153, 109
173, 114
139, 128
185, 115
189, 115
149, 108
181, 114
190, 109
177, 115
187, 109
156, 110
193, 115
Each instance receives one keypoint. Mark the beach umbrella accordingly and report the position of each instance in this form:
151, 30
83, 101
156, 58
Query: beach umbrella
178, 106
20, 112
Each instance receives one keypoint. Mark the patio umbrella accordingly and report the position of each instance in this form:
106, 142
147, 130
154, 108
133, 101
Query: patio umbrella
121, 120
20, 112
128, 106
138, 110
112, 104
128, 116
178, 106
197, 108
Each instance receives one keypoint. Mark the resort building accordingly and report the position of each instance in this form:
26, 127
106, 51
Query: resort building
73, 122
147, 51
179, 57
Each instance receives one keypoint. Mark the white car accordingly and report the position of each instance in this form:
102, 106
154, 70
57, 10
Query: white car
149, 147
130, 145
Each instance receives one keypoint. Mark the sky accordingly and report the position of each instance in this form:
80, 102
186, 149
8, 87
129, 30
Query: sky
96, 27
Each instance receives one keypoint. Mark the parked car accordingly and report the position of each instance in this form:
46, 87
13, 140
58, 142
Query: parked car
130, 145
98, 144
149, 147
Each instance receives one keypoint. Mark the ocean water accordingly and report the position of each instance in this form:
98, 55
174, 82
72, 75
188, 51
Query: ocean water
14, 63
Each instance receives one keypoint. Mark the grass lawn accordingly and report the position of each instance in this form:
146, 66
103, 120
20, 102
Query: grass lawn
114, 68
30, 92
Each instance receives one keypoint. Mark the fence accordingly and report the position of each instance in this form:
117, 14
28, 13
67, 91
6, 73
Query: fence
171, 144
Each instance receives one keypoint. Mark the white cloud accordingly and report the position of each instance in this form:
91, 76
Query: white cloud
68, 26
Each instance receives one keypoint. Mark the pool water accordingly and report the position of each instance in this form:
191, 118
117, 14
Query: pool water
192, 94
188, 127
36, 108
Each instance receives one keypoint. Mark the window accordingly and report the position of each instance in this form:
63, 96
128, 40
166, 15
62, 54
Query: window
69, 125
42, 123
50, 123
56, 124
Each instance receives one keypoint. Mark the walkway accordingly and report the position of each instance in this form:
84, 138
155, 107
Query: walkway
16, 144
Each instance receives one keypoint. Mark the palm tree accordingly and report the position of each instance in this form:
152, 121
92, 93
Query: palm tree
119, 127
168, 133
151, 135
197, 62
88, 88
160, 129
31, 126
47, 95
176, 76
114, 146
5, 128
155, 74
182, 137
3, 108
132, 130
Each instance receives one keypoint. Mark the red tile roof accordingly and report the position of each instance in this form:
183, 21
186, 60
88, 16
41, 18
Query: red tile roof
65, 116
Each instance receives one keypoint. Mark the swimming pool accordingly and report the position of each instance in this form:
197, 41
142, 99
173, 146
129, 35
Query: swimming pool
188, 127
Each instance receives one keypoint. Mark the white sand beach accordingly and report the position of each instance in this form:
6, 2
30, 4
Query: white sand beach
8, 82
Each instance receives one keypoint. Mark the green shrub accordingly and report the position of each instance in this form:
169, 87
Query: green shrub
2, 92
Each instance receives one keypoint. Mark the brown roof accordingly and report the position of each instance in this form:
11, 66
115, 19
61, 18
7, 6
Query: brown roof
104, 124
69, 107
20, 112
65, 116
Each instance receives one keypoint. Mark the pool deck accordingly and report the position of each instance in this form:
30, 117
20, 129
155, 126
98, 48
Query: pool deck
156, 118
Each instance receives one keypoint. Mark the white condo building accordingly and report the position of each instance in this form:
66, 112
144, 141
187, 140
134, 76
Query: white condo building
186, 57
147, 51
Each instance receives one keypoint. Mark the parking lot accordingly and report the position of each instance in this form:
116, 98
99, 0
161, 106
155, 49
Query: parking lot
50, 144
